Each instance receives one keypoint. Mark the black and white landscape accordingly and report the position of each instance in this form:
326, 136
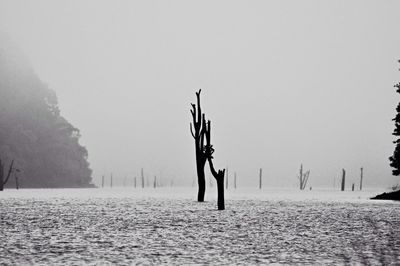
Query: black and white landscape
199, 132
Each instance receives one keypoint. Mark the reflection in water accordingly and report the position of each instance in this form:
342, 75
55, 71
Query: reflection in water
178, 230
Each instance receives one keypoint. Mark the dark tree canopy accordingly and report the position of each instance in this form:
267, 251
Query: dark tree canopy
44, 144
395, 158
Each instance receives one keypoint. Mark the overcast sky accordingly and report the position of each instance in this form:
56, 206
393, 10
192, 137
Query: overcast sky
284, 83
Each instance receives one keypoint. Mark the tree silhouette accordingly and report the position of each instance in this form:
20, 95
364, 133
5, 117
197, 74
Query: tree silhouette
219, 176
10, 170
395, 158
200, 127
303, 177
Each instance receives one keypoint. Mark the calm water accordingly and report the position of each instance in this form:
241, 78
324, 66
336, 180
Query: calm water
167, 226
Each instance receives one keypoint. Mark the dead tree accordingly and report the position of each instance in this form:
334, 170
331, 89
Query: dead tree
303, 177
343, 179
200, 127
219, 176
3, 181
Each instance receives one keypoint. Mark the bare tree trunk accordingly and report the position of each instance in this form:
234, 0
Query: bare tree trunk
352, 187
219, 176
134, 182
227, 177
155, 182
361, 178
111, 181
260, 184
201, 181
221, 197
234, 180
199, 125
102, 181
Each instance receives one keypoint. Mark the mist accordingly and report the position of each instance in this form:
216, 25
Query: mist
284, 82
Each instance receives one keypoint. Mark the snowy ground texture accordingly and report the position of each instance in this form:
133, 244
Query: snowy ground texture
167, 226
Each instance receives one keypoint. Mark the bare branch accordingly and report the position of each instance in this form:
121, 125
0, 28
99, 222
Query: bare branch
191, 131
193, 113
9, 172
203, 131
198, 108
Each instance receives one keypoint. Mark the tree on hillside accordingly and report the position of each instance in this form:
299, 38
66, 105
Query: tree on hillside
4, 179
395, 158
200, 127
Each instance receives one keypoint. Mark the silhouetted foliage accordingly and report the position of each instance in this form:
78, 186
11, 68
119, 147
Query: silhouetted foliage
44, 144
199, 125
395, 158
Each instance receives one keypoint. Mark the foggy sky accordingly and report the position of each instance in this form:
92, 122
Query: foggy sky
284, 83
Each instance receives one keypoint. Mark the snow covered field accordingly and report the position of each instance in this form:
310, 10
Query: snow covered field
167, 226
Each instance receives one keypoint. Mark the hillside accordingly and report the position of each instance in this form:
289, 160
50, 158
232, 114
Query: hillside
43, 143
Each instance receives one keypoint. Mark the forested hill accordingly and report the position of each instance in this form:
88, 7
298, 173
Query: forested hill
43, 143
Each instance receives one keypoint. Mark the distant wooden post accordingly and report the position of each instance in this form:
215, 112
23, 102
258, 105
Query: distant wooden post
111, 181
361, 178
155, 182
16, 179
142, 178
260, 178
352, 187
343, 179
234, 180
